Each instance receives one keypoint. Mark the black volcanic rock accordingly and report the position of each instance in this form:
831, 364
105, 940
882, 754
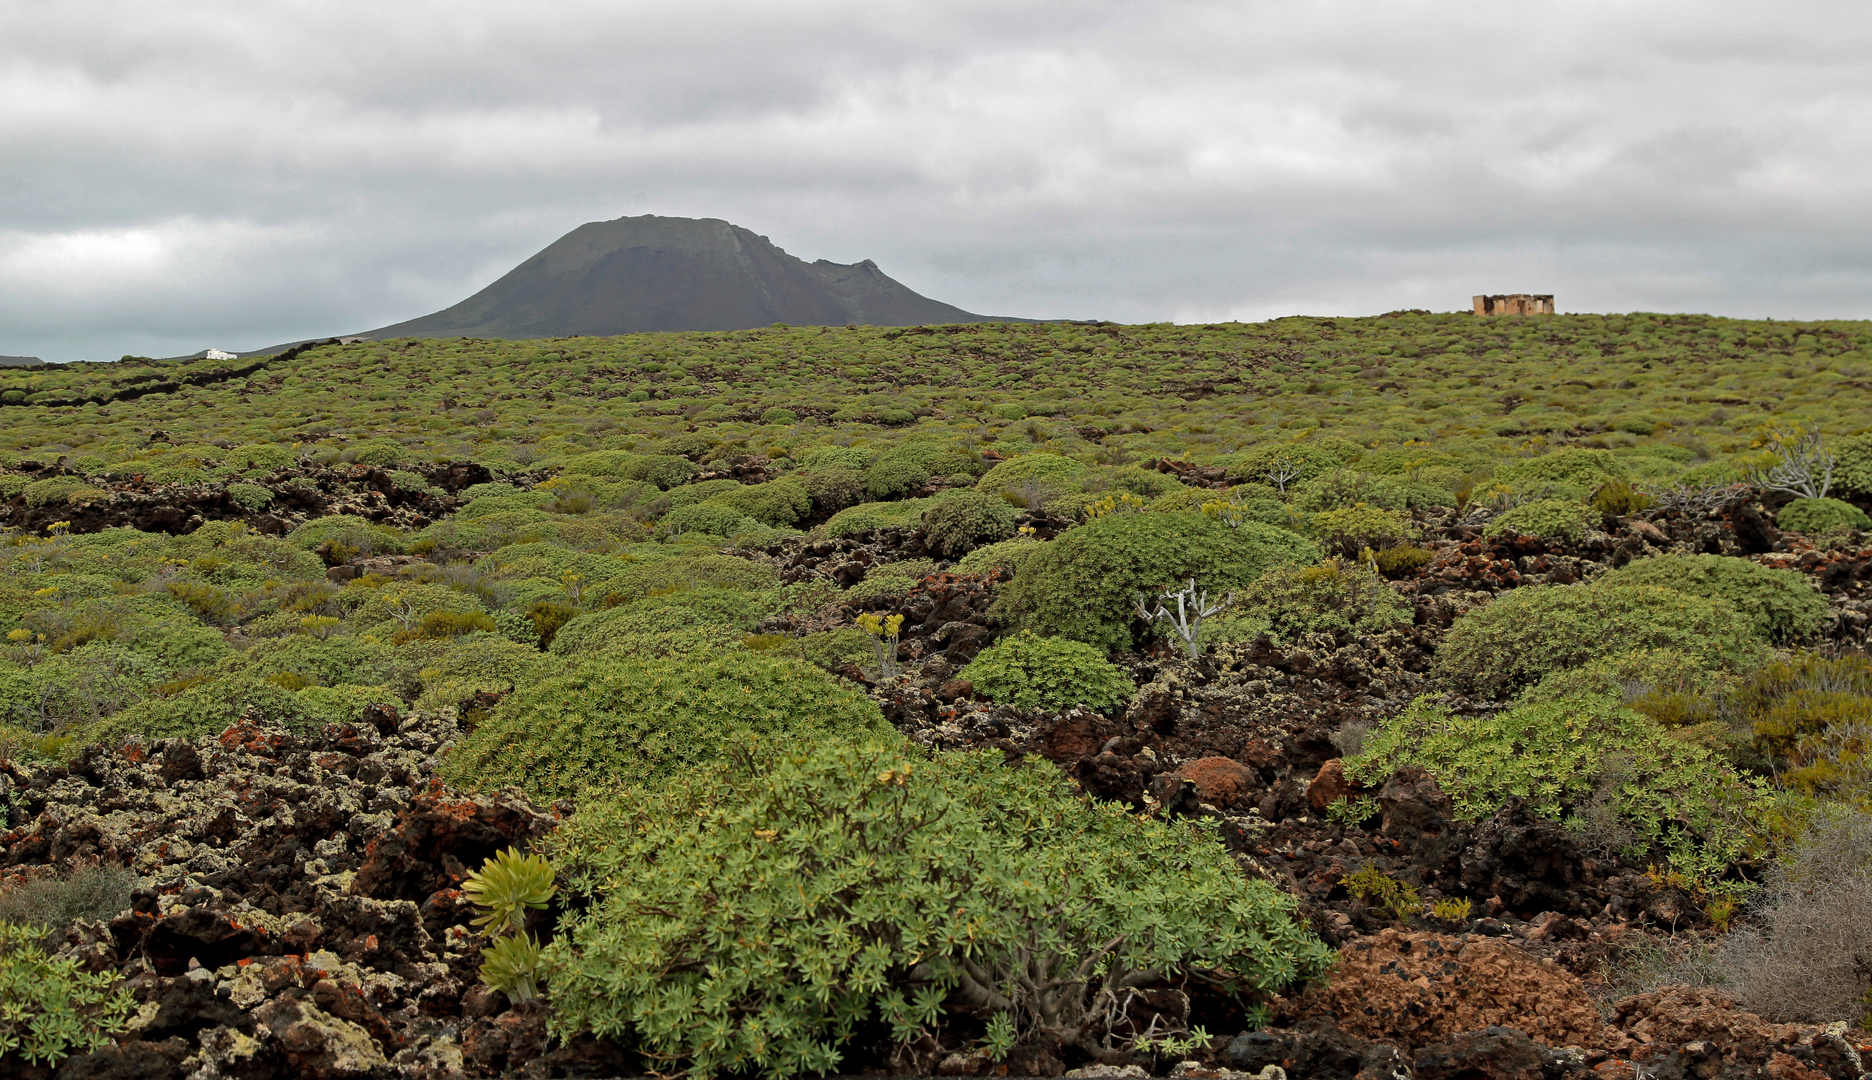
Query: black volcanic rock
649, 273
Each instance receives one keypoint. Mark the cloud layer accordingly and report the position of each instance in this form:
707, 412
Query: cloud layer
204, 172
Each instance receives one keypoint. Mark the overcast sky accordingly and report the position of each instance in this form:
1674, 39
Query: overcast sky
199, 173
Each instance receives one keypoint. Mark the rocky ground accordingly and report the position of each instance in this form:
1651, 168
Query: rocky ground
301, 913
296, 494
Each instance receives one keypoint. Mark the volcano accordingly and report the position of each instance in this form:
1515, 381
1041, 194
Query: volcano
650, 273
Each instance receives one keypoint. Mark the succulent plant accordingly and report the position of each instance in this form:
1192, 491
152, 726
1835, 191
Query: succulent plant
506, 887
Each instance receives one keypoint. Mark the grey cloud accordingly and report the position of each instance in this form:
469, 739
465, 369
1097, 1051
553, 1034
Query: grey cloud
205, 173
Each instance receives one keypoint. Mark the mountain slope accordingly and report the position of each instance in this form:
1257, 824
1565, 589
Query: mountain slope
649, 273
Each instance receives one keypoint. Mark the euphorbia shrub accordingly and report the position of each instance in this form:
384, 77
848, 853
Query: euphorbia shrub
757, 924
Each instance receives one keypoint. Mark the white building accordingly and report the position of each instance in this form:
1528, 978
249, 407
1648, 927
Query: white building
217, 354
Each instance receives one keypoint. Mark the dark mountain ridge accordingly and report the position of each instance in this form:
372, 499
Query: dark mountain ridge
650, 273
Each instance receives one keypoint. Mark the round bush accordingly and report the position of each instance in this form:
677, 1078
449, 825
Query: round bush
1625, 782
1574, 466
833, 487
378, 453
357, 534
906, 467
664, 470
1349, 530
779, 504
1782, 605
962, 519
1085, 584
1335, 595
707, 517
882, 885
835, 457
1302, 460
1818, 517
1006, 555
875, 515
683, 610
606, 723
1547, 519
250, 496
1852, 465
1028, 671
1016, 474
700, 491
1523, 635
777, 415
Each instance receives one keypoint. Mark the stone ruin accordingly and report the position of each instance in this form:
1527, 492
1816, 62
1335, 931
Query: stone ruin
1515, 304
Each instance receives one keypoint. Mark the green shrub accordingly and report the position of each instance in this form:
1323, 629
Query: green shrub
1282, 465
1006, 555
1618, 779
880, 886
379, 453
1819, 517
890, 579
777, 415
700, 491
1547, 519
962, 519
834, 649
664, 470
1782, 605
1350, 530
1032, 478
356, 535
90, 893
712, 518
1574, 466
679, 611
62, 491
267, 456
1335, 595
875, 515
1351, 487
904, 468
207, 708
1085, 584
1852, 465
250, 496
692, 571
1523, 635
836, 457
781, 503
1028, 671
1144, 483
51, 1008
833, 488
604, 722
446, 626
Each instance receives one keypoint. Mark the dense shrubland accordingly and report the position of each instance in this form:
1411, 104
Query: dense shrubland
618, 613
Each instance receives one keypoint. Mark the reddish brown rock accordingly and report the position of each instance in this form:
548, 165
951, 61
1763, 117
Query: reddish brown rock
1418, 989
1220, 782
1329, 786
